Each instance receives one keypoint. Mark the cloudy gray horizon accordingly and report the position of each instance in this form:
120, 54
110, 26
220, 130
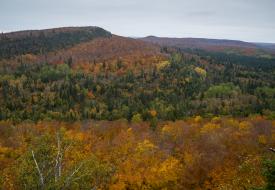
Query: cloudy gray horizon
246, 20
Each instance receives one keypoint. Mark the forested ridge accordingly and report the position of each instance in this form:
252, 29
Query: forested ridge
184, 85
81, 108
43, 41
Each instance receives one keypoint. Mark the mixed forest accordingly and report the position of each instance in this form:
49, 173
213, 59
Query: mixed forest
81, 108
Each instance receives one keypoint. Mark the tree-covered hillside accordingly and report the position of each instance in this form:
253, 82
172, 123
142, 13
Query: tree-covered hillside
43, 41
184, 85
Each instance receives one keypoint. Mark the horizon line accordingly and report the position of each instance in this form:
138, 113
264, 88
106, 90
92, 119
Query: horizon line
137, 37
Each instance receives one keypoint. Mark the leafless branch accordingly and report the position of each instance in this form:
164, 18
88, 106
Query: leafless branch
67, 181
272, 149
67, 147
38, 169
58, 164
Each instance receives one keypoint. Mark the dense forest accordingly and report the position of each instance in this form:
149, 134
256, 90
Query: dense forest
81, 108
183, 86
214, 154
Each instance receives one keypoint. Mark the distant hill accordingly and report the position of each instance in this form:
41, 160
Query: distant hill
79, 45
82, 46
108, 50
43, 41
270, 46
227, 46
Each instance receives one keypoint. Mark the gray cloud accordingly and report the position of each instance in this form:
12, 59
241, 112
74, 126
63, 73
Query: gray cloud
249, 20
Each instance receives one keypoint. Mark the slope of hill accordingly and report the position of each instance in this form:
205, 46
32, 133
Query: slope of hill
80, 46
227, 46
42, 41
128, 51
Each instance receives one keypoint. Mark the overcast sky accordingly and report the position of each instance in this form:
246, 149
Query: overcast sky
248, 20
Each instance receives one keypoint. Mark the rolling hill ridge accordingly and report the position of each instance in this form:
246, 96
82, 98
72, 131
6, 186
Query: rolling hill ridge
215, 45
43, 41
79, 45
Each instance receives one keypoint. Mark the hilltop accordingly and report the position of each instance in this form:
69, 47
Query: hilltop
43, 41
79, 45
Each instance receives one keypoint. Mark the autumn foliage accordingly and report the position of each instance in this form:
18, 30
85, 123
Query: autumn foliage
218, 153
81, 108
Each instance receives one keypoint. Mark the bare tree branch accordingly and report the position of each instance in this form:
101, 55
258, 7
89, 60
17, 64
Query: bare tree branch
67, 181
272, 149
58, 158
67, 147
38, 169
